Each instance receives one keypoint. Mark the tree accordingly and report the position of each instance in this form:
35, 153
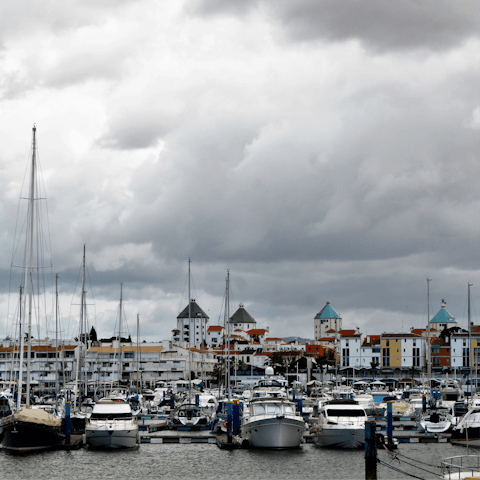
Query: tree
93, 334
374, 364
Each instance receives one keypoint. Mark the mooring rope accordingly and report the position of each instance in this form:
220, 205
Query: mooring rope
385, 464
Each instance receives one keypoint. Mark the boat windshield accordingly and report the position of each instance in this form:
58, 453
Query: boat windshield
345, 412
272, 409
111, 416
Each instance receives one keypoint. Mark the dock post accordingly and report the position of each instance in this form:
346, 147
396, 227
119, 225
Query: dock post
229, 421
236, 417
370, 450
67, 423
197, 400
172, 401
424, 403
389, 423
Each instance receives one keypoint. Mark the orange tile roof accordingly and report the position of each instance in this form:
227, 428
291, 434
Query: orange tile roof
215, 328
257, 331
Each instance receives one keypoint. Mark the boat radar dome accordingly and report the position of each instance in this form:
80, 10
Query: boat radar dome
269, 371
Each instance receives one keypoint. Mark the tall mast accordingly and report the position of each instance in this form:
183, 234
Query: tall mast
29, 269
20, 353
189, 333
429, 348
471, 357
227, 313
84, 322
138, 350
56, 335
120, 336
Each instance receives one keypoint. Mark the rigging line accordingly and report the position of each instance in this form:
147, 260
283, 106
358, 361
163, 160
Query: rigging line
385, 464
181, 299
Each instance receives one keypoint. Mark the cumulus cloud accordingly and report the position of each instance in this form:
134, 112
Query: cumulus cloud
311, 173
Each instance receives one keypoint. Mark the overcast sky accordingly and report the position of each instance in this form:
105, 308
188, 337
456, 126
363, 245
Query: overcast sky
319, 150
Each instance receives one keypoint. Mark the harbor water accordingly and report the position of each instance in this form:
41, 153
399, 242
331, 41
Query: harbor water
207, 461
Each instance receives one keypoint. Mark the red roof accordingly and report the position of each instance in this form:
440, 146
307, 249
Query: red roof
331, 331
215, 328
257, 331
326, 339
274, 338
348, 333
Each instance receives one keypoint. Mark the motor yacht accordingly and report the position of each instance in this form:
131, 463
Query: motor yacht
340, 424
112, 425
272, 422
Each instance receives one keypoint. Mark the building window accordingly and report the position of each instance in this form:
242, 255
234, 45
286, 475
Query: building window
466, 357
388, 343
416, 357
436, 361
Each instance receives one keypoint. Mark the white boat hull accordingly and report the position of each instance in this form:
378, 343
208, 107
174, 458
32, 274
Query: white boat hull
274, 432
340, 436
110, 438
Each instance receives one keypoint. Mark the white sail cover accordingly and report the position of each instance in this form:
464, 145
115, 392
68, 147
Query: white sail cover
37, 416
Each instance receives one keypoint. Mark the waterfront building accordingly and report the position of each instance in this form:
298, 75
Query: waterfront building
242, 319
214, 336
115, 361
50, 362
192, 325
443, 319
401, 351
326, 319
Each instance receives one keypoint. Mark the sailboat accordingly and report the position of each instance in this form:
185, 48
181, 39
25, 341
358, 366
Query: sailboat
30, 429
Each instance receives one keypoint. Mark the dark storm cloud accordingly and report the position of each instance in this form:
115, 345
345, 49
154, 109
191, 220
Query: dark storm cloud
379, 25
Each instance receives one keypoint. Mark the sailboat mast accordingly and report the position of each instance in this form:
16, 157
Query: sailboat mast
429, 348
227, 313
85, 321
471, 357
56, 335
138, 349
189, 333
20, 353
120, 336
29, 269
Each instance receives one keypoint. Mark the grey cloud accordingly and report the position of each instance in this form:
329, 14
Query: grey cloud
215, 7
379, 25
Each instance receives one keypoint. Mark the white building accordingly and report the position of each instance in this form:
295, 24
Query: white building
326, 319
192, 325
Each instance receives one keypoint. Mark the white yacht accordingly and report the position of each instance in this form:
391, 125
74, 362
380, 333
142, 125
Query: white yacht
365, 400
112, 425
467, 432
340, 424
272, 422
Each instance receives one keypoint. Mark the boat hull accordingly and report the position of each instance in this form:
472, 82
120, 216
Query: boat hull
275, 432
24, 437
340, 437
459, 437
109, 438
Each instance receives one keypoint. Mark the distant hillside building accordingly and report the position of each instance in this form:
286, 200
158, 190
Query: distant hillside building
326, 319
191, 329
